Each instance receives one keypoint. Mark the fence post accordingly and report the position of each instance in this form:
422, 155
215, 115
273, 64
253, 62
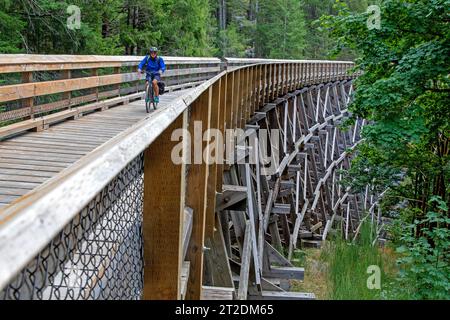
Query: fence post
67, 74
28, 102
211, 186
196, 193
163, 218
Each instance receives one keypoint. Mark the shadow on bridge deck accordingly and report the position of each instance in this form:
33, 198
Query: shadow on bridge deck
33, 158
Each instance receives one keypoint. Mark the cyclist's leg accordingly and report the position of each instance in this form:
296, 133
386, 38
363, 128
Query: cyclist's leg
155, 87
156, 79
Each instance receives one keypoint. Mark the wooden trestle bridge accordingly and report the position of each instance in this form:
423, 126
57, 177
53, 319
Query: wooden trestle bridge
92, 205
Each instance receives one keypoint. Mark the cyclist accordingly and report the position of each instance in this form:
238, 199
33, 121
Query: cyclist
153, 64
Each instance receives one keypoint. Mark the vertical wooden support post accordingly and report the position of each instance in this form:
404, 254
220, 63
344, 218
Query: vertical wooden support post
246, 96
67, 74
260, 86
309, 72
273, 82
314, 73
291, 76
28, 102
267, 83
94, 73
277, 81
223, 114
230, 100
329, 71
242, 86
249, 95
254, 90
295, 76
211, 184
302, 75
237, 94
196, 190
163, 218
135, 69
117, 71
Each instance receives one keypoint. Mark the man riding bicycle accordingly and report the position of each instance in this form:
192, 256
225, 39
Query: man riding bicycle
153, 64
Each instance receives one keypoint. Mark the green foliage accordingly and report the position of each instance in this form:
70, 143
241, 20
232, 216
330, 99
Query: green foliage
403, 93
348, 265
280, 29
263, 28
231, 42
11, 27
425, 248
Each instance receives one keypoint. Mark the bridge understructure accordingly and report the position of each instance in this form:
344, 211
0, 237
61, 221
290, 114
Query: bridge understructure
128, 221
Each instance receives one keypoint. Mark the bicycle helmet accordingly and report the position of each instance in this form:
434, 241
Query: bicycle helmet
153, 49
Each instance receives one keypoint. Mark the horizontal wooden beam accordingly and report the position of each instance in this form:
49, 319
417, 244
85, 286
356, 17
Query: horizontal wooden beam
273, 295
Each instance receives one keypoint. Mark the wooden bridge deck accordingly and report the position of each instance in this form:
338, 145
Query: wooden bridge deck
31, 159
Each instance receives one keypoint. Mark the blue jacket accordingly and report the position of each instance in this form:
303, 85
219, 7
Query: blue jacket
153, 66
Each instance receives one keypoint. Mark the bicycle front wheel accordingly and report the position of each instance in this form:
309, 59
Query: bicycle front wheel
147, 100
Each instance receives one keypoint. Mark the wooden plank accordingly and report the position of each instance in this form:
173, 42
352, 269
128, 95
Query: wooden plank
245, 263
285, 273
196, 182
269, 285
184, 278
30, 173
316, 226
33, 167
7, 199
231, 195
275, 257
212, 158
35, 89
217, 293
37, 162
73, 152
11, 129
252, 216
37, 155
18, 184
16, 143
162, 218
36, 180
273, 295
218, 258
187, 229
8, 191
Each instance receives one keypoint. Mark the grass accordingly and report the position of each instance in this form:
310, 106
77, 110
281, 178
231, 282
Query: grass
348, 268
338, 271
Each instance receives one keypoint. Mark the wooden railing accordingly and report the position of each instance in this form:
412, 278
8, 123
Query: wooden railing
34, 87
227, 101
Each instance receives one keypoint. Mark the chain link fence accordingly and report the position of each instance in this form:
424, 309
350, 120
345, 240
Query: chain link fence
99, 255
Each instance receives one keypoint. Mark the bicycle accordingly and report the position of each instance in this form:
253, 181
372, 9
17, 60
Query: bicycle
150, 95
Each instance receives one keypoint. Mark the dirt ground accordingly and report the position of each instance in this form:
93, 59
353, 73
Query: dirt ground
315, 274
